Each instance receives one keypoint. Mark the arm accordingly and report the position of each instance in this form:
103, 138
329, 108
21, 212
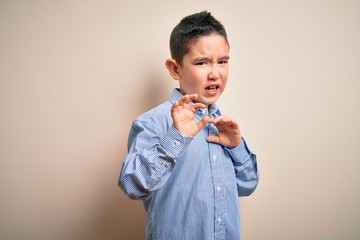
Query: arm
153, 149
245, 165
151, 158
244, 161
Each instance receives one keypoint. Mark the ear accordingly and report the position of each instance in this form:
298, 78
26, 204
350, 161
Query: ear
173, 68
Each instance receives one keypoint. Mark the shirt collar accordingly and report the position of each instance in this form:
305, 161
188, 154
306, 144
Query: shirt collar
176, 94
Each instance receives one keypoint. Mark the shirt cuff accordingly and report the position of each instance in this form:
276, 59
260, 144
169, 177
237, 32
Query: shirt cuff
241, 153
174, 142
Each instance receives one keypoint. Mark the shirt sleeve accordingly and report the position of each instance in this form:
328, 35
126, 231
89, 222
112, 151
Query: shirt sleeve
246, 171
151, 158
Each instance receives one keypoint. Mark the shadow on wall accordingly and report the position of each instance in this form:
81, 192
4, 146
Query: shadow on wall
158, 90
120, 217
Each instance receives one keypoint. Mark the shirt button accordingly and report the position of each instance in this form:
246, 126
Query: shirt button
177, 143
218, 220
214, 157
218, 189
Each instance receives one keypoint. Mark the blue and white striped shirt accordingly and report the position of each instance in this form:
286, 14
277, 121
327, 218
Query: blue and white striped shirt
189, 187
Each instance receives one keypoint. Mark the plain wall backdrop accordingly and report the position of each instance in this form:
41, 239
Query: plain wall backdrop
75, 74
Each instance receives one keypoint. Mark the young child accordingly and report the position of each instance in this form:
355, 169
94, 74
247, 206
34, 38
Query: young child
187, 162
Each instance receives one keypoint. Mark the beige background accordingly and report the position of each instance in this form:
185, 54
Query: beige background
74, 74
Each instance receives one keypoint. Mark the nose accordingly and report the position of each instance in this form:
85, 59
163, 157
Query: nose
214, 73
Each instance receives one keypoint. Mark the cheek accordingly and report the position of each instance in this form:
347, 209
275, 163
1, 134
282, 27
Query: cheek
195, 79
225, 82
225, 78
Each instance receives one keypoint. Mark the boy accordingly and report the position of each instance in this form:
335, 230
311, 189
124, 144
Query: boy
187, 162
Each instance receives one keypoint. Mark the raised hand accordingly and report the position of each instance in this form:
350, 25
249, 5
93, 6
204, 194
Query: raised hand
183, 116
229, 132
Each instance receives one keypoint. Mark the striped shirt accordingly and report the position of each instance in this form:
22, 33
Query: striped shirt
189, 187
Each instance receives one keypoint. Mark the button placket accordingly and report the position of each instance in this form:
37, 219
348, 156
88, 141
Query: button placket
215, 158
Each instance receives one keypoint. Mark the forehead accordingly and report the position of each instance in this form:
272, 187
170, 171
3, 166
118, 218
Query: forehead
209, 44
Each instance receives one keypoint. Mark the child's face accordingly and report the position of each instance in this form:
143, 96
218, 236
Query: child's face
204, 68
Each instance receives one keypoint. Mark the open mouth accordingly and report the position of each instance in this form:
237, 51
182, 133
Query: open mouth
212, 87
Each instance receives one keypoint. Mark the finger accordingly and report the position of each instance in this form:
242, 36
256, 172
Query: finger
202, 123
193, 97
216, 120
213, 139
226, 124
224, 121
196, 106
232, 123
188, 98
174, 107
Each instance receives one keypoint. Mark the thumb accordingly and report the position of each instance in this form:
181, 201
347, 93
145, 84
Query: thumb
201, 124
213, 139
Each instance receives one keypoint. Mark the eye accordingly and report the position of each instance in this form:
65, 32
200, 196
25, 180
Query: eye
200, 63
223, 62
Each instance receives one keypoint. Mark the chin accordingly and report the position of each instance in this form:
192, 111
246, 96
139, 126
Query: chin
208, 101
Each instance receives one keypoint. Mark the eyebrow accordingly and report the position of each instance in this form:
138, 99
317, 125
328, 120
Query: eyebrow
226, 57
